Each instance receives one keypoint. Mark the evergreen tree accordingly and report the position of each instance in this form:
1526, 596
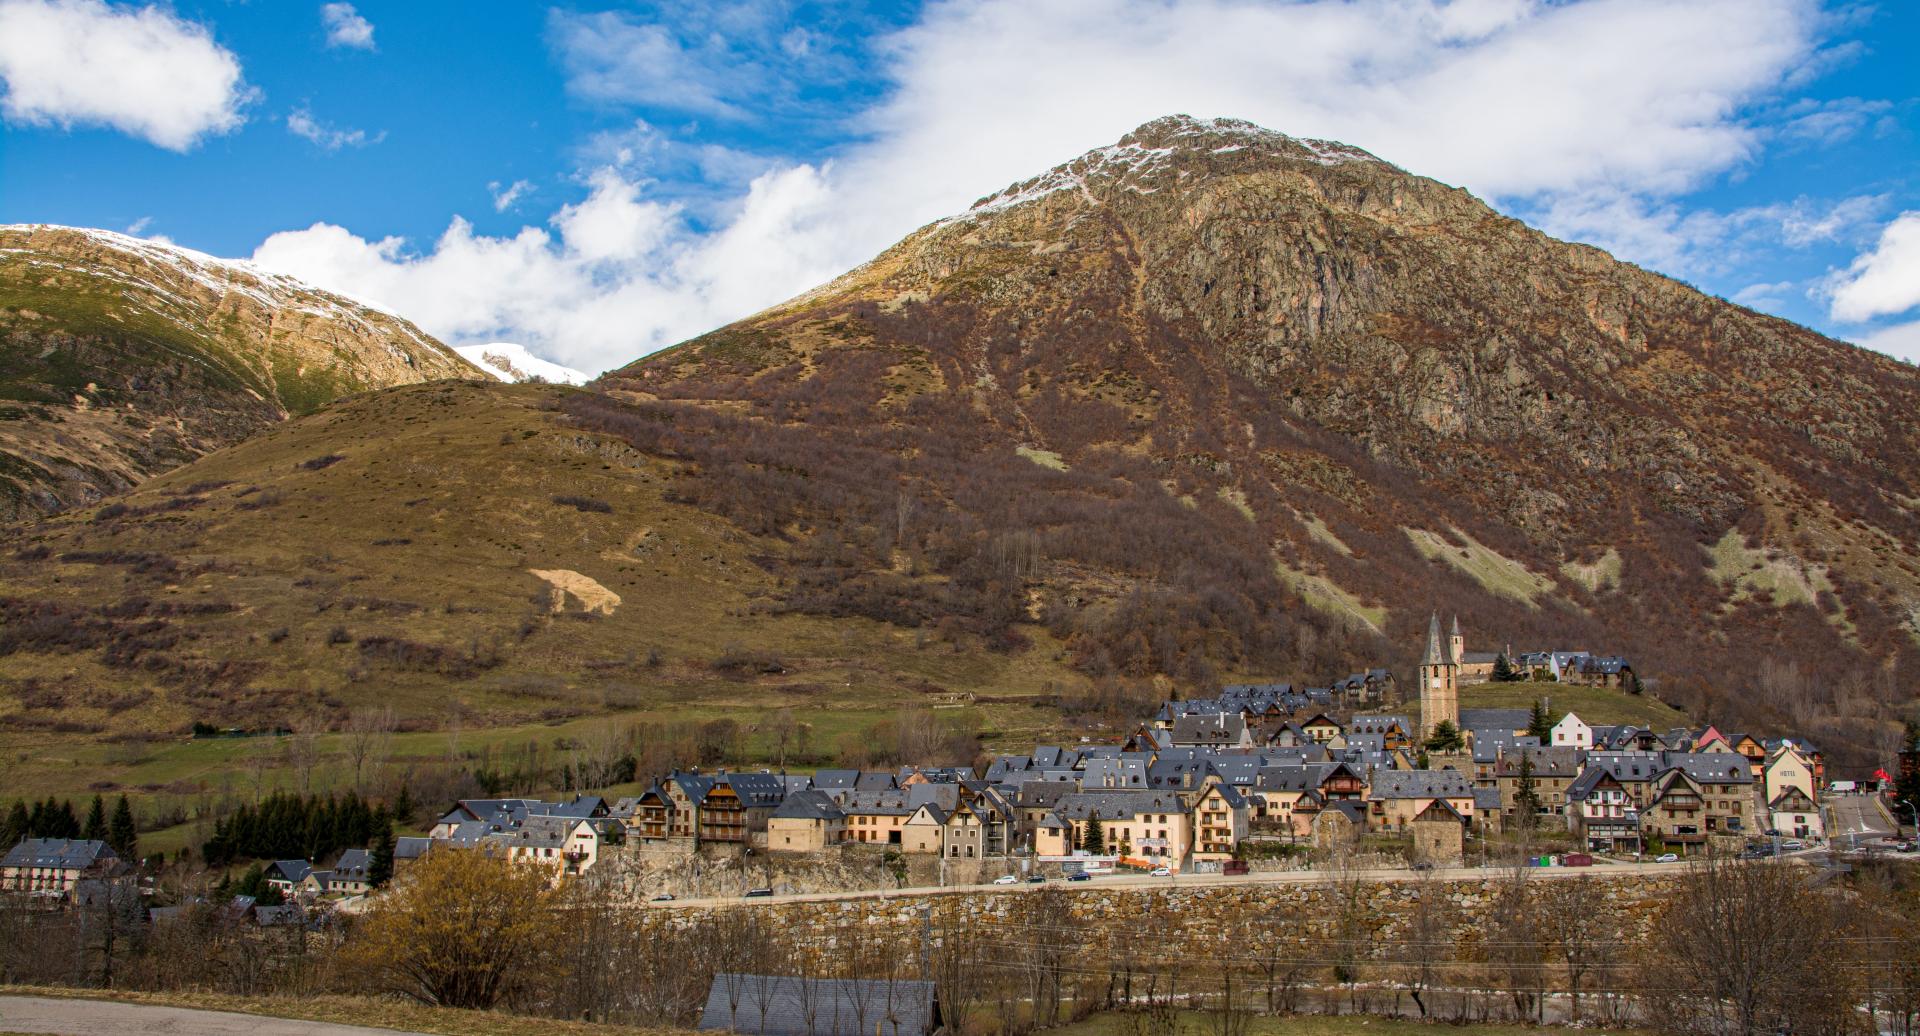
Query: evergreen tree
1094, 839
122, 833
380, 859
403, 807
69, 824
1526, 796
96, 828
1906, 780
18, 825
1539, 724
1445, 738
1503, 669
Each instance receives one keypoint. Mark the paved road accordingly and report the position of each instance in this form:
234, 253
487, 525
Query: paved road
1182, 881
1863, 816
106, 1018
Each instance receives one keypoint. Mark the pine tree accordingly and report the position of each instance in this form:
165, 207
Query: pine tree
1526, 797
1445, 738
69, 824
122, 833
1503, 669
96, 829
18, 825
1538, 723
403, 807
380, 859
1094, 840
1906, 781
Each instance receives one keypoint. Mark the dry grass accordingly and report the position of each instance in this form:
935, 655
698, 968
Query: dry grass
1193, 1023
351, 1010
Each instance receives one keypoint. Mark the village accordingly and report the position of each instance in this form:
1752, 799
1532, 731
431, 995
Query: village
1260, 777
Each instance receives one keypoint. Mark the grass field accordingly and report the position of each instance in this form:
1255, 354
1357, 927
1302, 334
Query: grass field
1594, 704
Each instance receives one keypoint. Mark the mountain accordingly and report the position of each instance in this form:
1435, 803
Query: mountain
511, 362
1158, 396
121, 358
1212, 403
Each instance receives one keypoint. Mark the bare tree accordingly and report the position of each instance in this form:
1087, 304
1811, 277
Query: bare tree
1580, 932
303, 750
369, 739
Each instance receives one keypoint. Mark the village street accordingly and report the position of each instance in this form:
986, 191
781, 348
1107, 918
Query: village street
75, 1017
1857, 817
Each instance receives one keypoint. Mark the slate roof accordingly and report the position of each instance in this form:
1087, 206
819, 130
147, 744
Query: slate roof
835, 779
812, 804
1216, 729
294, 871
352, 865
1420, 784
1495, 719
1712, 767
411, 847
58, 853
1118, 805
1628, 767
1547, 762
820, 1007
758, 790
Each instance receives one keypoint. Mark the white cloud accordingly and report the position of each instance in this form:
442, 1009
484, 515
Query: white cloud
345, 27
1594, 113
302, 124
615, 277
504, 198
1882, 282
1901, 341
141, 70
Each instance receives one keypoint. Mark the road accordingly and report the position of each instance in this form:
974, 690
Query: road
1857, 816
67, 1017
1183, 881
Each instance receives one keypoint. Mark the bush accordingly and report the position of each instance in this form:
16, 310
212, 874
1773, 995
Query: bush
585, 503
317, 463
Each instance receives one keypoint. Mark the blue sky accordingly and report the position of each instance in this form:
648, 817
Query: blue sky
601, 181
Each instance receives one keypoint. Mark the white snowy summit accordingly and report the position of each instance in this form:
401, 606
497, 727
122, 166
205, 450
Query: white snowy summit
510, 361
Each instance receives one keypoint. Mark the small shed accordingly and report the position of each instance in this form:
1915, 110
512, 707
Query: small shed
782, 1005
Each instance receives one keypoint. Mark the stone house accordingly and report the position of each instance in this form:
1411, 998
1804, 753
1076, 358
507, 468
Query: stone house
808, 821
1396, 797
1553, 772
1439, 834
1144, 828
1601, 814
1795, 815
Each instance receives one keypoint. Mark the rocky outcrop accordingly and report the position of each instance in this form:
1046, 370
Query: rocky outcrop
121, 358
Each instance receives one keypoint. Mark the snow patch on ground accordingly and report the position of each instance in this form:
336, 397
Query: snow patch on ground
512, 362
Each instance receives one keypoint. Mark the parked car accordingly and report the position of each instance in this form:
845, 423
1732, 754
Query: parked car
1667, 858
1162, 872
1793, 845
1037, 879
1079, 876
664, 897
759, 893
1006, 879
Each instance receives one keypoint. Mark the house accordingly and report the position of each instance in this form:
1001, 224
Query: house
1052, 837
1395, 732
807, 821
349, 875
1676, 815
1396, 797
1321, 729
1571, 732
1219, 822
1439, 834
925, 830
1339, 826
1793, 813
1726, 785
1218, 730
1787, 769
54, 866
1601, 813
782, 1005
1552, 770
1513, 722
876, 817
408, 849
1143, 828
570, 845
286, 875
1597, 671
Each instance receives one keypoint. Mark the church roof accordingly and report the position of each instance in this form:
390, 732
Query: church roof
1434, 656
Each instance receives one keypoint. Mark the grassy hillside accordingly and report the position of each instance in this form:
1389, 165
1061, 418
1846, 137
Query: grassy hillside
454, 551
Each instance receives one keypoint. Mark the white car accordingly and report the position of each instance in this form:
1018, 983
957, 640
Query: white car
1006, 879
1667, 858
1163, 872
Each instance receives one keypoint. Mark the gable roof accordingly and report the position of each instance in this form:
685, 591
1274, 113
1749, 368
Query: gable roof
812, 804
1420, 784
58, 853
782, 1005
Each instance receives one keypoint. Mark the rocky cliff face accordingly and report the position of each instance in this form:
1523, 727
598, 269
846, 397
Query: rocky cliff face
121, 358
1394, 397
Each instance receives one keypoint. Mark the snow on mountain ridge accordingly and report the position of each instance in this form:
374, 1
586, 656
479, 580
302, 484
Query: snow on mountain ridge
513, 362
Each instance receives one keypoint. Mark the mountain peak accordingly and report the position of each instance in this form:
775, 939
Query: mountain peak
1162, 151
